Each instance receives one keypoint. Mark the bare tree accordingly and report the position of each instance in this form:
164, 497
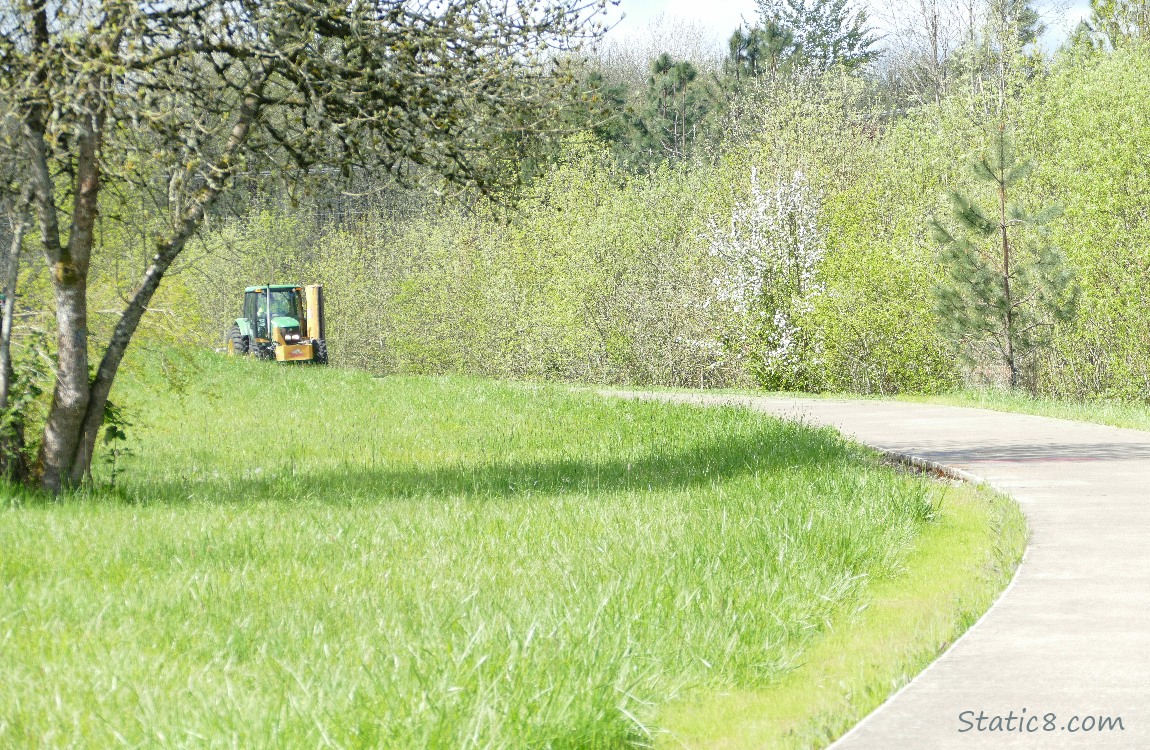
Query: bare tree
174, 99
921, 38
628, 59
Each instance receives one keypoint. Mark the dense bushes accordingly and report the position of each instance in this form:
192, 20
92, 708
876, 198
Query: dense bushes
1089, 126
596, 277
605, 276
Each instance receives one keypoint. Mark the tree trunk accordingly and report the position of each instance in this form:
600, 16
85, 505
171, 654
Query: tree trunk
13, 465
93, 418
73, 389
11, 273
166, 252
79, 400
1007, 295
70, 281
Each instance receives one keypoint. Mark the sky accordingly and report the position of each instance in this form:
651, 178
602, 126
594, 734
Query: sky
723, 16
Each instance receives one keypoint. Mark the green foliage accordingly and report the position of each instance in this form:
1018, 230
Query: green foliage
31, 373
1119, 22
1005, 285
677, 102
656, 123
600, 277
826, 33
604, 111
603, 275
761, 50
1017, 17
876, 318
116, 425
1089, 129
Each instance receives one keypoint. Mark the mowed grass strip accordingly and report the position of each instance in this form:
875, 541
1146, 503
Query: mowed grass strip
307, 557
1115, 412
1134, 415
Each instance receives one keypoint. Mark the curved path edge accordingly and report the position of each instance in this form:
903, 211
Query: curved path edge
1062, 657
949, 472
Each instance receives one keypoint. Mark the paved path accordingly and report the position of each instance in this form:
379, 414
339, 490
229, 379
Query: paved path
1071, 636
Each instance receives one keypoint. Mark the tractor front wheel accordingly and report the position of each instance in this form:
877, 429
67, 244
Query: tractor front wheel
237, 344
321, 352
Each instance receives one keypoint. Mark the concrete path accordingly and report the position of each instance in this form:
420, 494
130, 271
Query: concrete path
1071, 636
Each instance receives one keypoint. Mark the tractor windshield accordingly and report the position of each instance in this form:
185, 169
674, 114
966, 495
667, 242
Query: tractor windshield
285, 304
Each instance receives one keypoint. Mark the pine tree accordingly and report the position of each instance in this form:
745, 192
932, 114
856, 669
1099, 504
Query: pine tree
1004, 284
826, 32
1020, 16
677, 104
764, 50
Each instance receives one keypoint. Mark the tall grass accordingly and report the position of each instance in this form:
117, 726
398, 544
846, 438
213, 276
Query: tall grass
303, 557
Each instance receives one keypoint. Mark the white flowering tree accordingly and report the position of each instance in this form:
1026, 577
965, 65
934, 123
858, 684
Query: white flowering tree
766, 278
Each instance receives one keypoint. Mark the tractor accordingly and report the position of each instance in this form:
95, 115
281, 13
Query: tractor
283, 322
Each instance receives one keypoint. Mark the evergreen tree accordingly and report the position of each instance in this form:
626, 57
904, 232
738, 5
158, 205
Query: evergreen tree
826, 32
603, 109
677, 103
600, 108
1021, 17
765, 50
1003, 284
1082, 41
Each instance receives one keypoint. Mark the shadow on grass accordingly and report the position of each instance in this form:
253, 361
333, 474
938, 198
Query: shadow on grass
1035, 452
780, 447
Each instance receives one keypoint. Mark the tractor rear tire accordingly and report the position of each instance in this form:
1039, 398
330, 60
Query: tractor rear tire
321, 352
237, 344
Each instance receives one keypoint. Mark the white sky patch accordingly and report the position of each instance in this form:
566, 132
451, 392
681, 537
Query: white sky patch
721, 17
1078, 13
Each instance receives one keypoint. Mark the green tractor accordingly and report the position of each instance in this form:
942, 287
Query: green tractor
283, 322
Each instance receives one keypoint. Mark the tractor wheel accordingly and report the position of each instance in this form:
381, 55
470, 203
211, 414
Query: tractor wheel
321, 351
237, 344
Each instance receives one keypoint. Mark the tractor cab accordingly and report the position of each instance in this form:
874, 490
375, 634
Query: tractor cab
282, 322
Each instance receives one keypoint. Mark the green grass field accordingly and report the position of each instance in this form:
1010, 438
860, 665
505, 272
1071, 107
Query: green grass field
305, 557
